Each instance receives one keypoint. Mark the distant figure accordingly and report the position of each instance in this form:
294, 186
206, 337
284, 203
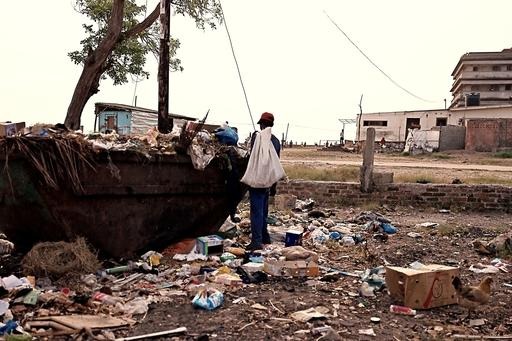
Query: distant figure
290, 143
382, 142
342, 137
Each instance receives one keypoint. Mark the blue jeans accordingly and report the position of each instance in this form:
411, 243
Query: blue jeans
259, 213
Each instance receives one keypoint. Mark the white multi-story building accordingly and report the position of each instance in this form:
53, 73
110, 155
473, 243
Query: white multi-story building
482, 79
482, 90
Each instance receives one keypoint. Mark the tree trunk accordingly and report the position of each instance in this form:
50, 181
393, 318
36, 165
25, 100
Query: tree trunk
96, 63
88, 83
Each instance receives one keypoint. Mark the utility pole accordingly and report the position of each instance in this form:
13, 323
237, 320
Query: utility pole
359, 118
286, 136
164, 123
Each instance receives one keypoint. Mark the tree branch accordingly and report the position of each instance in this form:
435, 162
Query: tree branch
143, 25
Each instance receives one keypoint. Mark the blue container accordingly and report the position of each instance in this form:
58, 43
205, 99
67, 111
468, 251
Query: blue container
293, 238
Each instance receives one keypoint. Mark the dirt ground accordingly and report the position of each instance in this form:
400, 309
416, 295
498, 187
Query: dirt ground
470, 167
448, 244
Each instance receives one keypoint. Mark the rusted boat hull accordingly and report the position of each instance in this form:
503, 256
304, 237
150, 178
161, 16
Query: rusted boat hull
128, 204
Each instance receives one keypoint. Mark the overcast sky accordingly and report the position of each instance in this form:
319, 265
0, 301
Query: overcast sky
294, 62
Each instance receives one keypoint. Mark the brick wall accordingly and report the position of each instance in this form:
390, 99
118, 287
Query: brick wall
471, 197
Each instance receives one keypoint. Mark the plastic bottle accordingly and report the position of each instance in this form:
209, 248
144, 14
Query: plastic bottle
398, 309
124, 268
105, 299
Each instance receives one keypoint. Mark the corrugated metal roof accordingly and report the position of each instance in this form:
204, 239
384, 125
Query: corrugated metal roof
102, 106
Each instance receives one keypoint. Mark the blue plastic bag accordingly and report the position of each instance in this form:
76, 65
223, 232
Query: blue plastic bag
388, 228
227, 136
208, 299
9, 327
335, 235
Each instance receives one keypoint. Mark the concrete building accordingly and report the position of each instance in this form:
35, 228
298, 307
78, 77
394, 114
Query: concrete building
445, 127
482, 78
481, 105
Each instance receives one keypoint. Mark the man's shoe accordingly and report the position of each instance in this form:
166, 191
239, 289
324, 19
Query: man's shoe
252, 247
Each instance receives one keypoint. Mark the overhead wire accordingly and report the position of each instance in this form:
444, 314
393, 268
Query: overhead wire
374, 64
236, 63
137, 79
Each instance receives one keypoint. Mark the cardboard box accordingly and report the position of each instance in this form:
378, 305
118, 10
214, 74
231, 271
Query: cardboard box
283, 202
210, 245
426, 288
299, 268
10, 129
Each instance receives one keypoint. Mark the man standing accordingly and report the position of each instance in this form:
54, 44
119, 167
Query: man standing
263, 172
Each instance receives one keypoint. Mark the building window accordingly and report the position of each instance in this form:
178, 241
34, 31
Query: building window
375, 123
441, 121
508, 86
509, 67
475, 88
475, 68
494, 87
496, 68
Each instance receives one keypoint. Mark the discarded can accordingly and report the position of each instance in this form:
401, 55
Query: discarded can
105, 299
124, 268
398, 309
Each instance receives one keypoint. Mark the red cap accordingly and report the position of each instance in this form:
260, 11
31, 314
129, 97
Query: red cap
267, 118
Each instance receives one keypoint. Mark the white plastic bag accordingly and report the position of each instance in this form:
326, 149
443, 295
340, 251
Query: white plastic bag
264, 168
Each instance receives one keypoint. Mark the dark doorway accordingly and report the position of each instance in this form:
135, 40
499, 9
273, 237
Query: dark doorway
441, 121
111, 122
411, 123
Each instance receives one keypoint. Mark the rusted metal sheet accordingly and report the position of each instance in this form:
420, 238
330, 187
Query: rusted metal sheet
128, 204
487, 135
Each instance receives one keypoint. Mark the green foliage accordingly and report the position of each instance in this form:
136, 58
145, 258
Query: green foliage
506, 154
129, 54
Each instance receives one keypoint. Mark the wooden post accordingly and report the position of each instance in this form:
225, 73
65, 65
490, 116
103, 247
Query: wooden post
164, 123
367, 167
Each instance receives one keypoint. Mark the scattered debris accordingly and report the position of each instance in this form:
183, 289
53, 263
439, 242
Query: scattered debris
309, 314
368, 332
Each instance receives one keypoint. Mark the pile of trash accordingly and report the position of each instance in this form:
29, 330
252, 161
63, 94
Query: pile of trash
210, 270
201, 145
